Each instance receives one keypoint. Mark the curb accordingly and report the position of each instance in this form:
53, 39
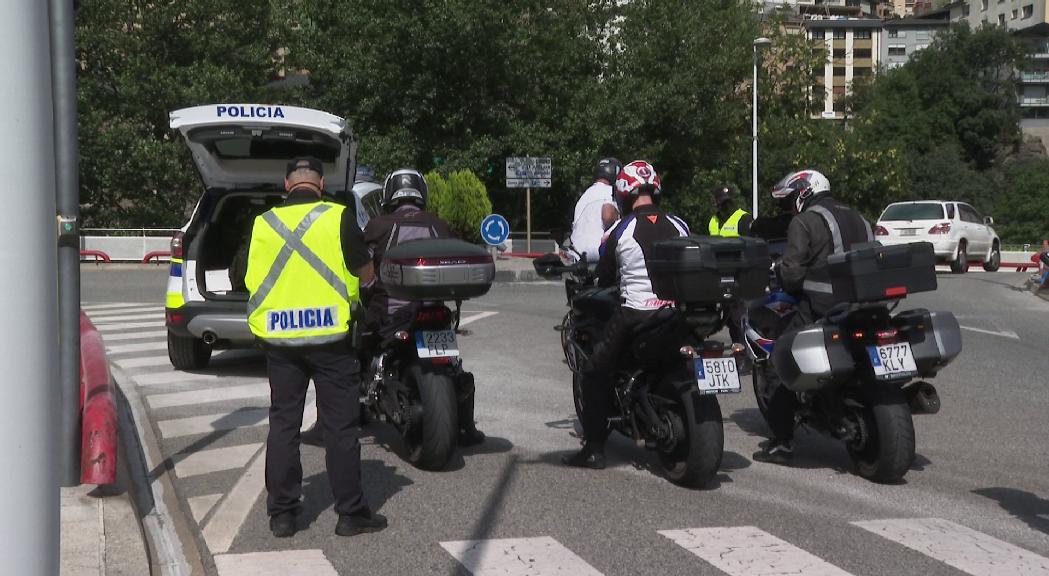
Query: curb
172, 549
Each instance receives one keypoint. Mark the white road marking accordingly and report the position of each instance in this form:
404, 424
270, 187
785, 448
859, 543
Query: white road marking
1003, 333
1043, 516
130, 325
138, 347
241, 418
143, 362
102, 314
128, 318
233, 510
216, 460
541, 556
199, 506
283, 563
475, 318
194, 397
109, 306
171, 377
960, 547
148, 334
750, 551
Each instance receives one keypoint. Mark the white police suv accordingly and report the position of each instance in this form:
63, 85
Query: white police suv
240, 151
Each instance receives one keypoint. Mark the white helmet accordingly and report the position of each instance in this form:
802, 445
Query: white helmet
800, 186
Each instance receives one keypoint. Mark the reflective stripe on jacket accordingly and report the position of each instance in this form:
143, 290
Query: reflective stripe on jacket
731, 226
300, 289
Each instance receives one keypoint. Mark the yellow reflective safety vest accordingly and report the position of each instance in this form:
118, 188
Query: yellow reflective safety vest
300, 290
731, 227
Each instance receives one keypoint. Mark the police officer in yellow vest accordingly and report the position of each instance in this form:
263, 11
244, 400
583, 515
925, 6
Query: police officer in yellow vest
729, 221
737, 221
301, 291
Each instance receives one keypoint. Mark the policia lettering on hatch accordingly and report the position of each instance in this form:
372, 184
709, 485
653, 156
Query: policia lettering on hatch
301, 291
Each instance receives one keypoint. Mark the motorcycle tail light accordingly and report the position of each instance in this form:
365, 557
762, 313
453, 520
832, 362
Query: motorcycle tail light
688, 351
401, 335
738, 349
887, 336
435, 314
857, 335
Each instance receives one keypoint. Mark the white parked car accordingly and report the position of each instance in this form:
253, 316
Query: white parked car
240, 151
959, 234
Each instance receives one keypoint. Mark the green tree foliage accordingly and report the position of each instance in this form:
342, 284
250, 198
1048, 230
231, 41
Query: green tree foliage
461, 199
139, 61
1021, 208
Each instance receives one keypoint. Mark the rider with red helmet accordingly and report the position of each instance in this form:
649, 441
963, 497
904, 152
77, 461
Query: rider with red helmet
624, 259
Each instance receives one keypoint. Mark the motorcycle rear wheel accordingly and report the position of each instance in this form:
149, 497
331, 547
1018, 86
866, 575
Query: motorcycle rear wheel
888, 450
765, 383
695, 457
430, 445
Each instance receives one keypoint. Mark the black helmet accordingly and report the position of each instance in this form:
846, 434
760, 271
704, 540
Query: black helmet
723, 194
404, 185
608, 168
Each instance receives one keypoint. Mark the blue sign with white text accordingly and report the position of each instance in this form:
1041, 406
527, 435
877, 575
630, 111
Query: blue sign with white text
494, 229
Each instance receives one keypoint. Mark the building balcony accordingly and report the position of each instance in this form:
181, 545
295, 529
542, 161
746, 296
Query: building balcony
1031, 102
1035, 77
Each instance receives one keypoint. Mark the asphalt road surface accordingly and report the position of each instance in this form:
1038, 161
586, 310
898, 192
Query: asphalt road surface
976, 501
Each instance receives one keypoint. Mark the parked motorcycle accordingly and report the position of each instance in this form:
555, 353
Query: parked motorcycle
664, 391
860, 372
417, 378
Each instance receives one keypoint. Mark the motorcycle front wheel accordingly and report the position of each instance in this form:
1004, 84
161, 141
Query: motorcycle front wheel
691, 457
887, 449
431, 441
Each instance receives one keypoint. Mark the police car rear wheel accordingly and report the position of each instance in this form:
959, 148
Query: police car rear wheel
187, 353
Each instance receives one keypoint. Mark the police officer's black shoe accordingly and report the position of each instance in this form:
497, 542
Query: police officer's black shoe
360, 523
775, 452
314, 436
470, 436
283, 525
588, 457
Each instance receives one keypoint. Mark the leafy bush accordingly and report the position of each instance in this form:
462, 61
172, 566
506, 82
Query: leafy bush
461, 199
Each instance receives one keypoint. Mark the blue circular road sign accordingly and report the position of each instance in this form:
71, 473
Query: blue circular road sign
494, 229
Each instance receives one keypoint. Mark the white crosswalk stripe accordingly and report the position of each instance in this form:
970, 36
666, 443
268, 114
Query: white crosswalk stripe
109, 306
199, 506
173, 377
128, 318
215, 460
142, 362
283, 563
750, 551
104, 314
142, 335
541, 556
259, 391
104, 328
139, 347
194, 425
960, 547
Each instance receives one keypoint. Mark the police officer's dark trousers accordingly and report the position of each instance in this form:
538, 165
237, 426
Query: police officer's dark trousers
597, 374
336, 375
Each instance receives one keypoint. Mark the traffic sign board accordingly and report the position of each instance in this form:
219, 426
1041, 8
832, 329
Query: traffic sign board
494, 229
528, 172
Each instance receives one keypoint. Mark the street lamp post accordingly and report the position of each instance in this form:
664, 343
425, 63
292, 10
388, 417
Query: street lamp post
758, 43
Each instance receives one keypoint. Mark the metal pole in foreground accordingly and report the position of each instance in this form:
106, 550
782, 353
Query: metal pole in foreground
758, 43
67, 195
528, 216
29, 526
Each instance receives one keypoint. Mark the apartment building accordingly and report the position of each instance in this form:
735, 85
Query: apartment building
853, 46
902, 38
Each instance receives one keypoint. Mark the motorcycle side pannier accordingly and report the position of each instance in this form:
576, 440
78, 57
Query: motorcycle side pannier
874, 272
709, 269
437, 269
935, 337
812, 359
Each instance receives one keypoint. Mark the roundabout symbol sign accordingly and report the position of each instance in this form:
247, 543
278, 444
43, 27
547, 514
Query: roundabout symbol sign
494, 229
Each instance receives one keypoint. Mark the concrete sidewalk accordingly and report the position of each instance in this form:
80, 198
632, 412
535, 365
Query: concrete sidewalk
101, 533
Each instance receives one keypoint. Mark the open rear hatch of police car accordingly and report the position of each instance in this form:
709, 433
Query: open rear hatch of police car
240, 152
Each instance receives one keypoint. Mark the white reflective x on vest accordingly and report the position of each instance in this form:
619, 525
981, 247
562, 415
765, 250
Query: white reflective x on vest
293, 244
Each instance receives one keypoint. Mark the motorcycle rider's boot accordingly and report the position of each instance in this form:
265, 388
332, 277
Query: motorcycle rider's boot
469, 435
362, 522
592, 456
775, 452
314, 436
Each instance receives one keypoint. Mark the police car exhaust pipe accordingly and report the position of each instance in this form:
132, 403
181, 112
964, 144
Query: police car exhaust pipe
210, 338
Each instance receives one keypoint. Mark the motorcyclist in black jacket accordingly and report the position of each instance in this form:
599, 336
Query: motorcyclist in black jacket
822, 226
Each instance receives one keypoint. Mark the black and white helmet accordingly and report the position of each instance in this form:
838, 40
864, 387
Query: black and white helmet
798, 187
404, 185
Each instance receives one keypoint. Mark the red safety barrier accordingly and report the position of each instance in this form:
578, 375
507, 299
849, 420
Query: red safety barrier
1020, 266
158, 254
98, 255
98, 431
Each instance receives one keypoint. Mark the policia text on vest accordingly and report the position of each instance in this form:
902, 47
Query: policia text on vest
731, 226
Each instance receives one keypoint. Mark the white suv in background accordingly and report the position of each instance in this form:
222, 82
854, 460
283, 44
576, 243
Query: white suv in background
958, 232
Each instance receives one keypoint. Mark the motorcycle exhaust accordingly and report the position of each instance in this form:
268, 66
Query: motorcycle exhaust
922, 398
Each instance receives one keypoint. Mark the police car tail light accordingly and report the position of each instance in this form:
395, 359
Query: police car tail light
174, 318
943, 228
176, 244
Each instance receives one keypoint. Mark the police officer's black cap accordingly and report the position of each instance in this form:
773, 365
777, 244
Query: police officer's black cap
305, 162
723, 194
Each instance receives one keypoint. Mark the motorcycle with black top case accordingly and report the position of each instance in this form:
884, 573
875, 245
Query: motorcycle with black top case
860, 372
417, 378
664, 392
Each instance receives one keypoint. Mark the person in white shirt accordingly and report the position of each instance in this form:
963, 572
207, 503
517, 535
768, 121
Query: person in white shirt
595, 212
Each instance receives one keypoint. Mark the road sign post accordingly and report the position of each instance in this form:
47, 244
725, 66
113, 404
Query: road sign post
528, 172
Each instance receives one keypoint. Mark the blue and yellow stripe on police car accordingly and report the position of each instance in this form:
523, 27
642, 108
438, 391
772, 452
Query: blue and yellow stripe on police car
174, 297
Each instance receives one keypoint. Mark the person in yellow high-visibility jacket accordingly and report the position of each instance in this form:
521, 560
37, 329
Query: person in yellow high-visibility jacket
728, 220
301, 295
